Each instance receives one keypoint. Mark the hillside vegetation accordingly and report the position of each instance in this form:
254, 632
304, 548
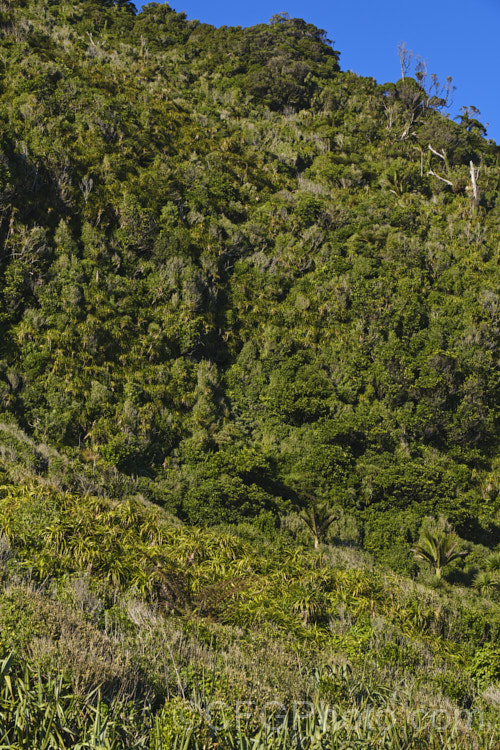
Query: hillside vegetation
241, 288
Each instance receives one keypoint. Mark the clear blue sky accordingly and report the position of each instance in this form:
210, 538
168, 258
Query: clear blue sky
456, 38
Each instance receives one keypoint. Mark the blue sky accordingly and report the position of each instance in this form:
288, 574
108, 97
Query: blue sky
456, 39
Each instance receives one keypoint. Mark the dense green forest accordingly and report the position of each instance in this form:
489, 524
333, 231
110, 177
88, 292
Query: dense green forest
244, 296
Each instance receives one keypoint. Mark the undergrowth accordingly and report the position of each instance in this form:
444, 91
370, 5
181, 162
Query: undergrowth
117, 609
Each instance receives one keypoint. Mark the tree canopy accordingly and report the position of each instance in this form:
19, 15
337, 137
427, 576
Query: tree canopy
231, 269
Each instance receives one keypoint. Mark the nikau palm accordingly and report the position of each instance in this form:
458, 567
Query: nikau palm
438, 548
488, 581
318, 519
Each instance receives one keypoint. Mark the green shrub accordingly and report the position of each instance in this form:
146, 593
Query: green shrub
484, 667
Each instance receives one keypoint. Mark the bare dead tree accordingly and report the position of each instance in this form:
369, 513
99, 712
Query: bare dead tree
443, 179
442, 156
474, 173
405, 57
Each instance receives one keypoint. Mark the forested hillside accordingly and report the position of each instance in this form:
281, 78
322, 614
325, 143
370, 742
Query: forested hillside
234, 277
237, 282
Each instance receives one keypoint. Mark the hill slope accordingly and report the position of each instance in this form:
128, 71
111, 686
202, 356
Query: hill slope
236, 281
232, 279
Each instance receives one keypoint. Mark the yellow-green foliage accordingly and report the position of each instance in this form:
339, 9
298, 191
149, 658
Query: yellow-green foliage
140, 578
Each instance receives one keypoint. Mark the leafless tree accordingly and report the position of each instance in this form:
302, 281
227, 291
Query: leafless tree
405, 58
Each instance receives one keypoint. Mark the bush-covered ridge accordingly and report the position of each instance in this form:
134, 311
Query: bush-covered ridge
237, 282
232, 281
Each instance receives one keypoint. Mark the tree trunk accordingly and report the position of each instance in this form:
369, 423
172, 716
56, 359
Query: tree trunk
475, 191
